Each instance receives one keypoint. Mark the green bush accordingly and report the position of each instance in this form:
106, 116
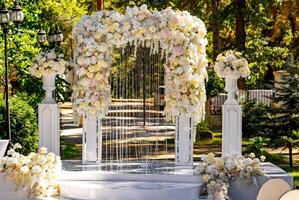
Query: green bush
24, 127
203, 130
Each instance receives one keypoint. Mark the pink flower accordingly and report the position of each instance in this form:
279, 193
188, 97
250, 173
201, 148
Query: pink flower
174, 20
177, 51
165, 33
219, 196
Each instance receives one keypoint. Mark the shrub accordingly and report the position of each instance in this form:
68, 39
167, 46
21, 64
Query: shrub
203, 130
24, 127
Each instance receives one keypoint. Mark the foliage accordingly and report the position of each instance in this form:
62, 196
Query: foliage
255, 146
282, 125
253, 118
68, 149
214, 85
63, 90
24, 127
203, 130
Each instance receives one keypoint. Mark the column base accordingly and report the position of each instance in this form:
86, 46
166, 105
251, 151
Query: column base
232, 129
184, 138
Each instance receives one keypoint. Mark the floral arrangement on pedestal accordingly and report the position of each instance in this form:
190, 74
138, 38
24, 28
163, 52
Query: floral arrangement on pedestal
217, 172
45, 63
231, 64
35, 173
179, 35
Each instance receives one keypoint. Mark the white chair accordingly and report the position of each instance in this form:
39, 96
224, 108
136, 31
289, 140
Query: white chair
290, 195
273, 189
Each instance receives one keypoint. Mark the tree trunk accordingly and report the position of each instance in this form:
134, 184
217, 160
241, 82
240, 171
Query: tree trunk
290, 156
240, 24
215, 27
100, 4
240, 34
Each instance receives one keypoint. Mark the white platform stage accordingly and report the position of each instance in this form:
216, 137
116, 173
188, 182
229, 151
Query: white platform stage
165, 182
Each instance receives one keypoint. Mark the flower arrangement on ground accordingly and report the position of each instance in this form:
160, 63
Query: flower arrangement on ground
35, 173
45, 63
179, 35
217, 172
231, 64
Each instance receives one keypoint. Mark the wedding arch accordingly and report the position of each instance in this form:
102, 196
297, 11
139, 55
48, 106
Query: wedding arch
179, 35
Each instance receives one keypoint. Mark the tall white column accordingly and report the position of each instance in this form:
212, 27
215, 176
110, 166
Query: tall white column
91, 140
184, 139
231, 121
48, 127
49, 118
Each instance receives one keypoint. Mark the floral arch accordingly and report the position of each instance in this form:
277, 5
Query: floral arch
180, 36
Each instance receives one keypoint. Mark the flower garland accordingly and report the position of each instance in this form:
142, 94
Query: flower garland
35, 172
48, 63
180, 36
217, 172
231, 64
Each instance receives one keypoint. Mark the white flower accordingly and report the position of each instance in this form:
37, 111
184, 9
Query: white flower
10, 151
263, 158
17, 146
36, 169
43, 150
24, 170
252, 155
205, 178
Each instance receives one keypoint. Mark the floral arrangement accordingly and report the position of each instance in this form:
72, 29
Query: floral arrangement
48, 63
35, 172
180, 36
231, 64
217, 172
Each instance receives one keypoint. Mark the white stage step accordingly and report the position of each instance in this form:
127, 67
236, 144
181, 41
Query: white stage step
128, 190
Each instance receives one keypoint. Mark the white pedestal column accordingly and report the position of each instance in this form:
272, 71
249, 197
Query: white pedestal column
231, 121
48, 127
91, 140
49, 117
184, 139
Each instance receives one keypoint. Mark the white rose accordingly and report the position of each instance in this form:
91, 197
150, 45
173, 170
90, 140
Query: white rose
36, 169
43, 150
244, 71
227, 71
252, 155
24, 170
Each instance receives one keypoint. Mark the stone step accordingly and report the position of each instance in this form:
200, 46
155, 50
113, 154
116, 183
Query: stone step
167, 182
129, 190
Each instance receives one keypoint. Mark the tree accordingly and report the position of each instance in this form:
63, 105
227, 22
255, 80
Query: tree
283, 118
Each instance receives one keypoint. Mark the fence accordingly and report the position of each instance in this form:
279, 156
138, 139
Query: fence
259, 96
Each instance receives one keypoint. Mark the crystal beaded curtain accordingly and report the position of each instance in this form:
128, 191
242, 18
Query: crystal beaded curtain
135, 130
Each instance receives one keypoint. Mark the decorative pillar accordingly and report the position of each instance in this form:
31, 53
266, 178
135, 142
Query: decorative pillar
91, 139
231, 120
184, 139
48, 117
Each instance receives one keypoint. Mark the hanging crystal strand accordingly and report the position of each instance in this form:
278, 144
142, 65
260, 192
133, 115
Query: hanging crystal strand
127, 121
117, 118
149, 111
110, 130
122, 107
136, 82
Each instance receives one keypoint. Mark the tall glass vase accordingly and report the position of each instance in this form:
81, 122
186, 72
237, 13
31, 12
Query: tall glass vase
49, 87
